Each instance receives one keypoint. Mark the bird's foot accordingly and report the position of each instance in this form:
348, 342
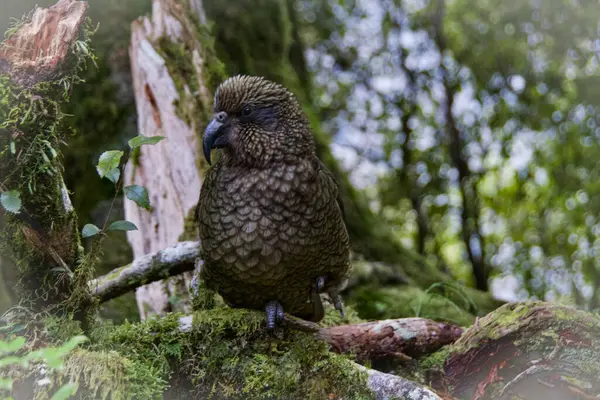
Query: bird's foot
337, 302
273, 313
333, 295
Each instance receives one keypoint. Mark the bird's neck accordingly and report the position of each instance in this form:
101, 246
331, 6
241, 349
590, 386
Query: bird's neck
262, 161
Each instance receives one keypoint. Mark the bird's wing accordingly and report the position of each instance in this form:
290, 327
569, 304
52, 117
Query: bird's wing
331, 183
206, 192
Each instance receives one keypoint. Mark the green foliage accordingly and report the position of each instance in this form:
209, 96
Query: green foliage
138, 194
140, 140
14, 358
108, 165
122, 226
526, 132
89, 230
372, 303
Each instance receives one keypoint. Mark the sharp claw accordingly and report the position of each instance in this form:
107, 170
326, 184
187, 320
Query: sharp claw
273, 313
320, 283
337, 303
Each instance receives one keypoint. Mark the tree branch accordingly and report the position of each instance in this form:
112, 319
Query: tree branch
180, 258
371, 341
149, 268
395, 338
386, 386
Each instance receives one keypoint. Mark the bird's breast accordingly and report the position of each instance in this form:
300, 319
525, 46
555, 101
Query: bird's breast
261, 221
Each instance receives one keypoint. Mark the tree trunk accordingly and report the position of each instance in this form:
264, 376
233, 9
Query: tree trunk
166, 103
529, 350
39, 62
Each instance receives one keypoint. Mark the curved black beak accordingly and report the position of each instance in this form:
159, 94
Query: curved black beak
214, 137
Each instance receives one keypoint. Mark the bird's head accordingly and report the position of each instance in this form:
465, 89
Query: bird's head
257, 122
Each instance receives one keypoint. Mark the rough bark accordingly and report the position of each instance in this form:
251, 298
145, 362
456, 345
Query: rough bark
170, 170
380, 340
531, 350
39, 61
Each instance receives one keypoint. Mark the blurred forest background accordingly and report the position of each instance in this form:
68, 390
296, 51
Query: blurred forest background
470, 125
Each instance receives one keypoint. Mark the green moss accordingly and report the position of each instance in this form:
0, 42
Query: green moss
190, 226
196, 72
32, 128
106, 375
228, 352
333, 317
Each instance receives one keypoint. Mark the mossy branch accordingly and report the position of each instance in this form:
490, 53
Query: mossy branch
381, 385
376, 341
149, 268
39, 64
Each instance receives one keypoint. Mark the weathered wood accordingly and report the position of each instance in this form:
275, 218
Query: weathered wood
391, 338
170, 169
387, 386
39, 49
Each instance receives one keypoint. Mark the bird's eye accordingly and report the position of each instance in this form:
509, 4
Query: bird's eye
246, 111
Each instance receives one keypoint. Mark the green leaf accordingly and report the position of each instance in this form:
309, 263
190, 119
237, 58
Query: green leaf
65, 391
6, 383
139, 194
73, 342
12, 346
11, 201
12, 360
140, 140
108, 162
122, 226
114, 175
89, 230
